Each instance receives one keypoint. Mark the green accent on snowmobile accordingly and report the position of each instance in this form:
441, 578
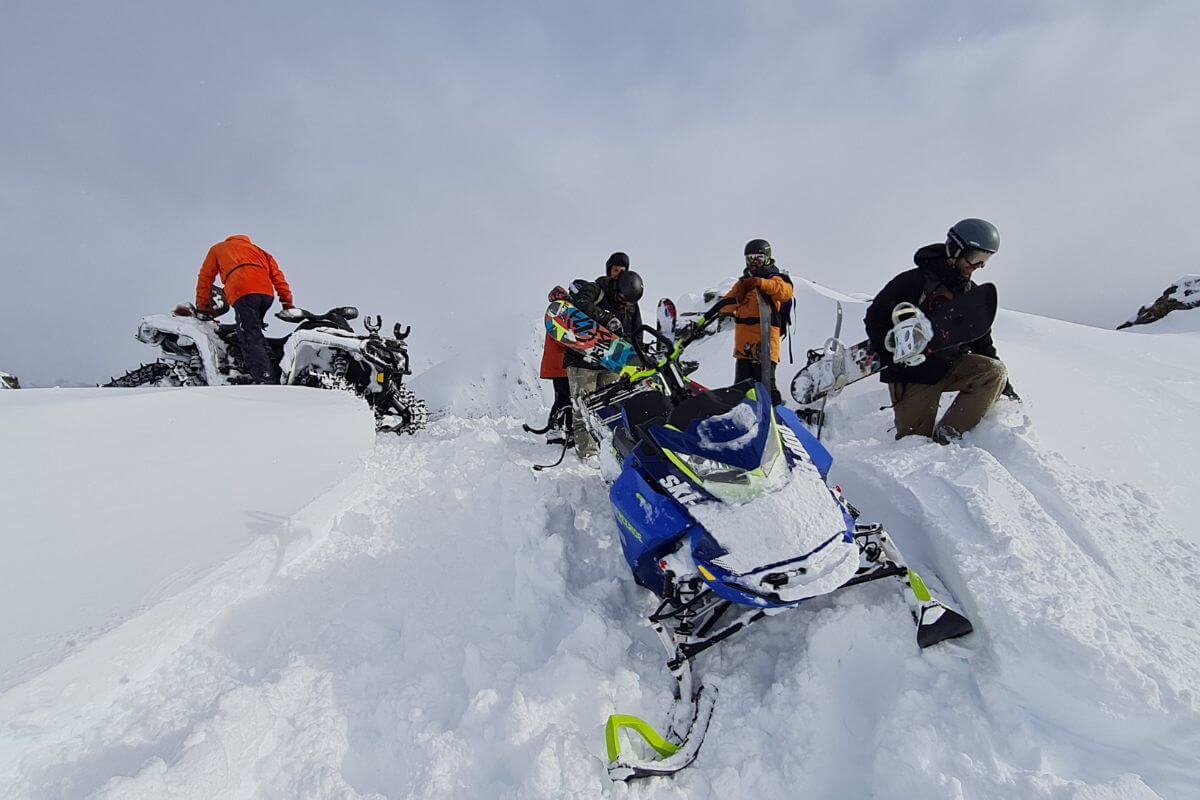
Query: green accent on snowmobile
628, 525
918, 587
752, 395
635, 375
683, 467
612, 741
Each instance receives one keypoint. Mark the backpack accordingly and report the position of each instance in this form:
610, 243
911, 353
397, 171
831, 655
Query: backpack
785, 310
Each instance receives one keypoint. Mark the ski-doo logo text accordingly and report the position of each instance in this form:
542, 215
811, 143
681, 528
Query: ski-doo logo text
792, 443
680, 490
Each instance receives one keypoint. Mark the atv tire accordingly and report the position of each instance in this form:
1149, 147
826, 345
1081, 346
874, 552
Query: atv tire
404, 413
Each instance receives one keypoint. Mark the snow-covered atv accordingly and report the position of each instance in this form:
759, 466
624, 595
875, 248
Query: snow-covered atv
724, 513
323, 352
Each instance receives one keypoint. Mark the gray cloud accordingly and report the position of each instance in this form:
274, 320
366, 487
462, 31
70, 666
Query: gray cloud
436, 163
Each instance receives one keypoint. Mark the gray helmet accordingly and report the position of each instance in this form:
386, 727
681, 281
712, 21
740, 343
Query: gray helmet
978, 234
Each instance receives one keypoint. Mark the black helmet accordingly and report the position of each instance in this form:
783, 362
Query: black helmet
629, 286
758, 247
978, 234
617, 259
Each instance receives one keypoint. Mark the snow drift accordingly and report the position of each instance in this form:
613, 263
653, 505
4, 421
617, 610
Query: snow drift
466, 625
115, 500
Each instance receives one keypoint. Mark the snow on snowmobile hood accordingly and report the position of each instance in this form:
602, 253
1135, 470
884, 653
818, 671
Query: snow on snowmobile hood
769, 517
800, 519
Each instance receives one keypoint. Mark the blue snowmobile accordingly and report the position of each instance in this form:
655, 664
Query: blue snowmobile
724, 513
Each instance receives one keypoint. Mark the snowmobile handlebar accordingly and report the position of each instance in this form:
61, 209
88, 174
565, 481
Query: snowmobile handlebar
676, 348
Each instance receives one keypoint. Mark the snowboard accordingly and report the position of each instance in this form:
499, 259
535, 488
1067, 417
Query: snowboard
666, 318
836, 366
576, 331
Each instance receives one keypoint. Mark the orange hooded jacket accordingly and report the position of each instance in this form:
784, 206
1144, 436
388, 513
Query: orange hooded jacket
245, 268
747, 333
553, 358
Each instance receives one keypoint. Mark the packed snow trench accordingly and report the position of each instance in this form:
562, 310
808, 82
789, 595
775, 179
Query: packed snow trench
456, 625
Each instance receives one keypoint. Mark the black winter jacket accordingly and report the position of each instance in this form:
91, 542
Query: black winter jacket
932, 283
598, 299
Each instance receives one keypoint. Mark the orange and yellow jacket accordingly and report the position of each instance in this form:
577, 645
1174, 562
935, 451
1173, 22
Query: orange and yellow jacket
747, 332
245, 268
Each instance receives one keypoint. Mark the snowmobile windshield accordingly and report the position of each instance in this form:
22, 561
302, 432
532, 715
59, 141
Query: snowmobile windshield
733, 451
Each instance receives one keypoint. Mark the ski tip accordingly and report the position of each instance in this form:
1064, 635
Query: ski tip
673, 756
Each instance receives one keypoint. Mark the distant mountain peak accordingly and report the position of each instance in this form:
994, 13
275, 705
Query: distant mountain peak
1180, 295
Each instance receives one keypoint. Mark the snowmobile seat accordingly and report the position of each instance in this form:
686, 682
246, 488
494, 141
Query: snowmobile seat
708, 404
645, 407
638, 414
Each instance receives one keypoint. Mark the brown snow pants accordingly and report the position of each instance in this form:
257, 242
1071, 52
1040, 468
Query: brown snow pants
585, 381
978, 381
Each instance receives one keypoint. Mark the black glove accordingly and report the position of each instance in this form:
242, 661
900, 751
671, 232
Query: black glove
1010, 392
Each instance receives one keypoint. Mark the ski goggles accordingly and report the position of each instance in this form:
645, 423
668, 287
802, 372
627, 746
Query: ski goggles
756, 260
975, 257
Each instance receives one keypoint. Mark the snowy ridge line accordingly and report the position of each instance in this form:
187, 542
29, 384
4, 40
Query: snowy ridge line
110, 667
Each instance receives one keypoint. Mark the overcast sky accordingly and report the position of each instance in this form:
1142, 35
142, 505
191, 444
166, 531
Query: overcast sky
439, 162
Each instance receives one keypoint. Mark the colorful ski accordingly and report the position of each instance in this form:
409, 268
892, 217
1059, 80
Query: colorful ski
666, 318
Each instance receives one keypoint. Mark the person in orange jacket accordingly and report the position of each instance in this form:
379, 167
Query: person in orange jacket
251, 278
763, 275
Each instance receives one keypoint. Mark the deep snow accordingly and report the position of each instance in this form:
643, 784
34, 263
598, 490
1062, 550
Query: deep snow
464, 626
116, 500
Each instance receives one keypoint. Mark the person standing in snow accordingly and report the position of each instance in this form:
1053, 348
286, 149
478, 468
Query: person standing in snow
554, 369
943, 272
761, 275
612, 300
251, 278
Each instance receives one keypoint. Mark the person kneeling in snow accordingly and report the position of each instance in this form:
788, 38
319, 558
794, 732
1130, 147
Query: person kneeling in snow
611, 300
251, 278
943, 272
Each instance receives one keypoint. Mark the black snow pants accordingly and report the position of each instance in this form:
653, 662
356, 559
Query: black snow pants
251, 310
750, 368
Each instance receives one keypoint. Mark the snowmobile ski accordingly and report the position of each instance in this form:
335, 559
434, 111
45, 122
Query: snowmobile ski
689, 458
673, 755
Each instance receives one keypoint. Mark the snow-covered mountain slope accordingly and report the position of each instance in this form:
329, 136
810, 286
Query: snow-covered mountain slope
467, 625
115, 501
